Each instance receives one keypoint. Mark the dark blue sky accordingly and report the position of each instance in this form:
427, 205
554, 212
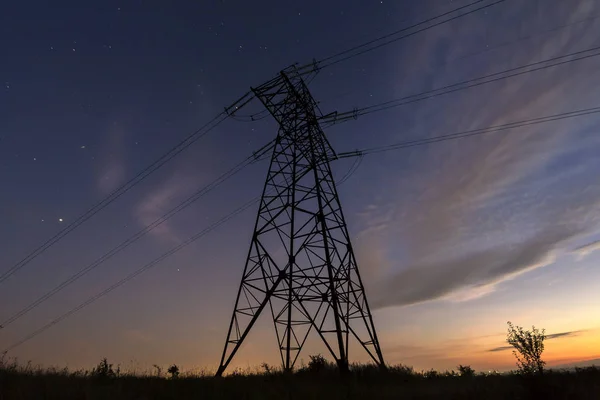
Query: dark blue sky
94, 92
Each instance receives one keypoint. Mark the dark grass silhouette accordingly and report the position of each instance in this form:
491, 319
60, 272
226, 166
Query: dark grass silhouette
317, 380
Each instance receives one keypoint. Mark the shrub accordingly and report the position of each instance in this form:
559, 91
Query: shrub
529, 346
365, 370
466, 370
402, 370
268, 370
105, 370
174, 371
431, 374
317, 363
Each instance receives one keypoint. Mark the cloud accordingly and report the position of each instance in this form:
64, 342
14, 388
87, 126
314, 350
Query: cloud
501, 348
548, 337
159, 201
407, 349
563, 334
111, 175
471, 293
137, 336
112, 168
572, 363
477, 271
465, 216
371, 257
583, 251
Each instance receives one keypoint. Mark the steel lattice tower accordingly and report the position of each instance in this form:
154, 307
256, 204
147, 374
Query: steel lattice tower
300, 263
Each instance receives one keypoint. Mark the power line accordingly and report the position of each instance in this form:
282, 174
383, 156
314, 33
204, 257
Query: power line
217, 121
357, 162
528, 37
357, 153
469, 133
157, 260
196, 135
148, 228
211, 125
251, 117
154, 262
132, 275
335, 118
158, 163
334, 59
256, 156
488, 49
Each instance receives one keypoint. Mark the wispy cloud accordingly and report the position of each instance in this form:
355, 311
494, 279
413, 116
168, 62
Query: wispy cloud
501, 348
472, 214
112, 168
548, 337
583, 251
138, 336
563, 334
111, 175
477, 272
159, 201
372, 259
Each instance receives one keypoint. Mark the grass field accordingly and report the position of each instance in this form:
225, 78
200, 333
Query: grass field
364, 382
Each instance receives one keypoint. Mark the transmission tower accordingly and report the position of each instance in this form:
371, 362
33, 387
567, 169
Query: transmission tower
300, 264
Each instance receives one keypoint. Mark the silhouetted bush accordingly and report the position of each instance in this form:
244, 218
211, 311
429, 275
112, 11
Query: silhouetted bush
529, 346
360, 371
402, 370
173, 371
317, 363
466, 371
431, 374
105, 370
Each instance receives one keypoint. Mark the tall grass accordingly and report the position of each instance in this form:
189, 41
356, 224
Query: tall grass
321, 381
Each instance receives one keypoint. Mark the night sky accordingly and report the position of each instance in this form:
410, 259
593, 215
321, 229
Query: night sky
453, 239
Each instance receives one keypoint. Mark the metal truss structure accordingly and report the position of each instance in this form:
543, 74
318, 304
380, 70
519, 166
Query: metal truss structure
300, 264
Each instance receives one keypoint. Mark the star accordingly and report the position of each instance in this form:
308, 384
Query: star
60, 220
